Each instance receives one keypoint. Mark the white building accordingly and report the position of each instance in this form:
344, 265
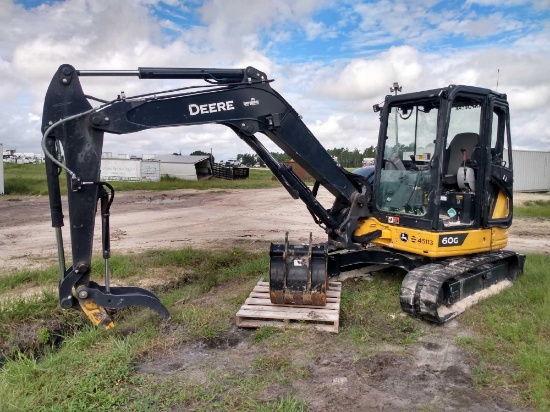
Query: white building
531, 170
129, 170
185, 167
1, 172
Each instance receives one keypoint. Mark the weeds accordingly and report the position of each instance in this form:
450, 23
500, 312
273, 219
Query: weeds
514, 328
287, 404
28, 278
263, 333
371, 313
533, 208
275, 362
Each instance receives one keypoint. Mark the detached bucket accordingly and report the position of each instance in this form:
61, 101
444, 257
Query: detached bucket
298, 274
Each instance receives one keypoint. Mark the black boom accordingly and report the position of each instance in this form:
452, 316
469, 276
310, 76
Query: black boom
241, 99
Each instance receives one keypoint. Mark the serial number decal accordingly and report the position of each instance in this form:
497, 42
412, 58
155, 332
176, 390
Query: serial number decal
195, 109
452, 240
426, 242
421, 241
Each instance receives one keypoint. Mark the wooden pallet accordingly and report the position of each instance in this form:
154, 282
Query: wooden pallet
258, 311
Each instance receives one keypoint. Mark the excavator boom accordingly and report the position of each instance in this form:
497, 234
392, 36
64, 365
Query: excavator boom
241, 99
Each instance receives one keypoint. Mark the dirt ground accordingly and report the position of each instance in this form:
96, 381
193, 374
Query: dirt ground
431, 375
174, 219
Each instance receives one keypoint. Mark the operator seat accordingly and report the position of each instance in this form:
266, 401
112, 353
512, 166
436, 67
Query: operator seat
393, 162
453, 157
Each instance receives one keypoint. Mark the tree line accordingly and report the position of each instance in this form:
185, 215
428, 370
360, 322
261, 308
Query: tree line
344, 156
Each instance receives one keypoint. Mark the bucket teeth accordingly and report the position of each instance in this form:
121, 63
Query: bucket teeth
96, 314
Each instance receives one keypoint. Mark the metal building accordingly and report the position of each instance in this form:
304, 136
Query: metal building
2, 171
531, 170
185, 167
129, 170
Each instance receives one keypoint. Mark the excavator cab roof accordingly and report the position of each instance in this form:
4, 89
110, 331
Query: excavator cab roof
450, 90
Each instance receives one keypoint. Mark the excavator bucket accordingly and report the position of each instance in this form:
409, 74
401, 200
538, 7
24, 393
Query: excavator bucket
298, 274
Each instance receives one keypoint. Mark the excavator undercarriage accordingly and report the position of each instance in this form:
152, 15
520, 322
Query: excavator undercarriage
437, 204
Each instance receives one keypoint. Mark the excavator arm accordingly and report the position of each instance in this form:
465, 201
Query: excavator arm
241, 99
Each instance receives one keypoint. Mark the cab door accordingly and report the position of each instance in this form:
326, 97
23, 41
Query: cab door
499, 202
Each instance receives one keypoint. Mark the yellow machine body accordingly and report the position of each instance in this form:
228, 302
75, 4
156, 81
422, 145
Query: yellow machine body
435, 244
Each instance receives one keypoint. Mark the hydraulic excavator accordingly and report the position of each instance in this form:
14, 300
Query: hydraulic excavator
438, 203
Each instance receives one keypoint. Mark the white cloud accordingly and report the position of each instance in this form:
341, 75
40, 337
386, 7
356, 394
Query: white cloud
316, 30
335, 96
510, 3
370, 78
238, 27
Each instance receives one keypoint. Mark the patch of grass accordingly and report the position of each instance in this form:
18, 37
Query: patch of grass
287, 404
222, 392
28, 278
264, 333
188, 264
44, 336
205, 268
192, 273
204, 323
27, 179
273, 362
32, 326
37, 307
30, 179
104, 361
533, 208
26, 383
371, 313
513, 349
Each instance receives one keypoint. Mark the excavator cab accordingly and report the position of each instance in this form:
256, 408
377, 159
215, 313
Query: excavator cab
443, 166
443, 191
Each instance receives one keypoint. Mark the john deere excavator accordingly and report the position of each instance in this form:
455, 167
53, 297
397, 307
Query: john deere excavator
439, 202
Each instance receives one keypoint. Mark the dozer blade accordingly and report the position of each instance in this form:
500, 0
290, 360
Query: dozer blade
298, 274
441, 291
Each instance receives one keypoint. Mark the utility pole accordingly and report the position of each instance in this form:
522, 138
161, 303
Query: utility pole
396, 88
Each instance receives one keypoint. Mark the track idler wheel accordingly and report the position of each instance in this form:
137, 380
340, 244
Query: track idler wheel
298, 274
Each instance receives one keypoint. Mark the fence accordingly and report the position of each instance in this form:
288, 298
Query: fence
229, 172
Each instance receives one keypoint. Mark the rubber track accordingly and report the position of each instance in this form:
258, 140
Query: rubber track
421, 286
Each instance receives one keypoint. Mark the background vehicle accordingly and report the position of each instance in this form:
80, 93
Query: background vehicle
232, 162
439, 205
368, 161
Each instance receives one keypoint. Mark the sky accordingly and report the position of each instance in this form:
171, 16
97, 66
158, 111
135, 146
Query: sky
331, 60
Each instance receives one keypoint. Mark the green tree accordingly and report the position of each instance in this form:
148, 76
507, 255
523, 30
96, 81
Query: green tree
369, 152
199, 153
248, 159
280, 157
